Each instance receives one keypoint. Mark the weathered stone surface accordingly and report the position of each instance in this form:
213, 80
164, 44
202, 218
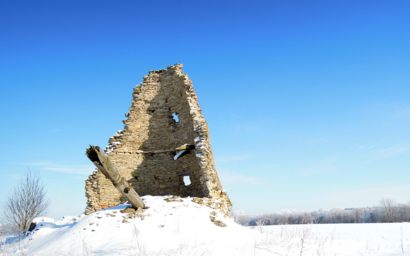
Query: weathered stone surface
128, 210
143, 152
217, 222
173, 200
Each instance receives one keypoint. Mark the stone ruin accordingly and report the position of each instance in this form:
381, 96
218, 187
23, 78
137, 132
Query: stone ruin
165, 138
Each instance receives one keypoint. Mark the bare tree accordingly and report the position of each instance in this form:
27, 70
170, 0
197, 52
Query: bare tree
26, 202
241, 218
389, 206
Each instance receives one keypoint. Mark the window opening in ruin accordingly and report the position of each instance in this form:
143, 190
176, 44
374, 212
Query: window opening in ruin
175, 116
187, 180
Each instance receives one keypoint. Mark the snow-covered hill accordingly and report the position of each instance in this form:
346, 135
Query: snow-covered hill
170, 226
178, 226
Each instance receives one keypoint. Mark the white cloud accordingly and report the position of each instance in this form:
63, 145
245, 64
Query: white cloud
318, 141
232, 179
323, 165
227, 159
393, 110
373, 154
402, 113
55, 167
364, 197
38, 163
392, 151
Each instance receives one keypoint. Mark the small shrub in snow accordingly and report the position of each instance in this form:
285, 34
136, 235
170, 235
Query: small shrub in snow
26, 202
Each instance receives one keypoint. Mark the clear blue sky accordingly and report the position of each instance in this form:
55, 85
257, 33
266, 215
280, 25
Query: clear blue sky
307, 101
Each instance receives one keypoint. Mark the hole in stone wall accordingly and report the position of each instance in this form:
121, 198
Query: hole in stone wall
136, 177
175, 116
187, 181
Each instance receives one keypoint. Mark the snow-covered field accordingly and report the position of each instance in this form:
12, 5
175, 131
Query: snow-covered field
182, 227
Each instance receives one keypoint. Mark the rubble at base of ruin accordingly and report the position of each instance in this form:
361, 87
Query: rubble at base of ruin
165, 141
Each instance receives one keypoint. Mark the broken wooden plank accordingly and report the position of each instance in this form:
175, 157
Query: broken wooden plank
103, 163
186, 146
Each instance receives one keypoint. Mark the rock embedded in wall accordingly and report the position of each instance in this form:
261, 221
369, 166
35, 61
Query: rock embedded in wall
165, 138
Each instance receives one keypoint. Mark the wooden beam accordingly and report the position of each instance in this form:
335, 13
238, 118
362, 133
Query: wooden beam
186, 146
103, 163
184, 173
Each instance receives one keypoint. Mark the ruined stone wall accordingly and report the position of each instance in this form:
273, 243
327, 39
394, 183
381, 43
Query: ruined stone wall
144, 151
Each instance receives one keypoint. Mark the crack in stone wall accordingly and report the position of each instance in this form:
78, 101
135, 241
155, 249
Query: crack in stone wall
143, 152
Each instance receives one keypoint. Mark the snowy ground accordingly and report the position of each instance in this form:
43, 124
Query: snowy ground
184, 228
342, 239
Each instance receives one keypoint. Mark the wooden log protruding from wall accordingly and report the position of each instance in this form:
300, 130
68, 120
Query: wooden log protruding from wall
103, 163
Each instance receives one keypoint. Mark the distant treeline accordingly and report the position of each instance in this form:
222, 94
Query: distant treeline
386, 211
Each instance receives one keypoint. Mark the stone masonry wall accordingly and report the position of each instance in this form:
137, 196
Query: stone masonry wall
144, 151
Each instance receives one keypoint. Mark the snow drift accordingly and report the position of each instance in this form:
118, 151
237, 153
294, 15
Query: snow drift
179, 226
